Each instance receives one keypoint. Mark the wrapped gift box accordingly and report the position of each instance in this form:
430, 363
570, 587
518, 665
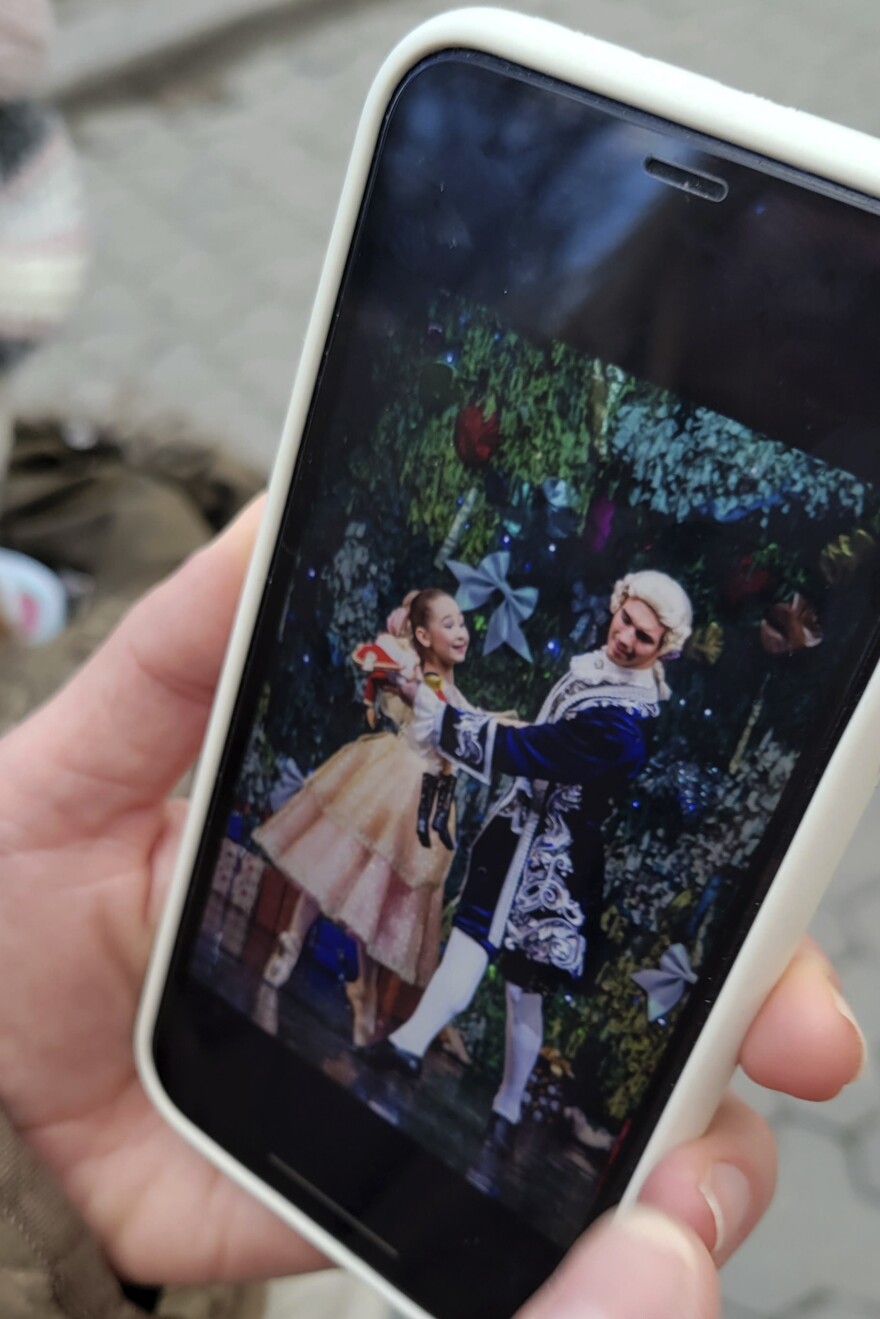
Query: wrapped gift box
235, 930
227, 864
212, 921
275, 904
246, 882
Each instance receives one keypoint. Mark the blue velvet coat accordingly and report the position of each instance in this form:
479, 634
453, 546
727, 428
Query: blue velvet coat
534, 884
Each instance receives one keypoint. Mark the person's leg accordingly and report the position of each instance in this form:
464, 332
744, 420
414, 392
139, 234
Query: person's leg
282, 963
448, 992
524, 1037
363, 995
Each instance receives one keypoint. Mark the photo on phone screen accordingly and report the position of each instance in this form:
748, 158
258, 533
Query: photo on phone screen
548, 639
649, 601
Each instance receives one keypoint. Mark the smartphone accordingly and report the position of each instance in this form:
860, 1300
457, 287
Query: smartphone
551, 702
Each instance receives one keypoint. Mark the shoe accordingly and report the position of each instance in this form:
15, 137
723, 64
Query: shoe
426, 805
445, 794
451, 1043
501, 1133
389, 1058
281, 964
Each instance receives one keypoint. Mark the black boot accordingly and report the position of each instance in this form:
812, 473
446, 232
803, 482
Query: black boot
385, 1055
445, 793
501, 1133
426, 806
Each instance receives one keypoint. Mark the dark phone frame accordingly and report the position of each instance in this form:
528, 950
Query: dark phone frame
435, 1238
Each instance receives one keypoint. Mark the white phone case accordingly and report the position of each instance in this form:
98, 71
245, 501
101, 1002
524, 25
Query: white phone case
828, 151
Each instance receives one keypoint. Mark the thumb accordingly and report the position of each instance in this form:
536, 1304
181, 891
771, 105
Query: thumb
635, 1264
129, 724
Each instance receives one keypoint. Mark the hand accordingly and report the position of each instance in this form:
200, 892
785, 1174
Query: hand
87, 841
658, 1260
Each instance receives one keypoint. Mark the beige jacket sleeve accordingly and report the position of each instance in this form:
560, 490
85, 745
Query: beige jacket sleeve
51, 1267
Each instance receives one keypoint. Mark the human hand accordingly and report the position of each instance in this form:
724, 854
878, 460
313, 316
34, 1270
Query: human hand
659, 1259
87, 843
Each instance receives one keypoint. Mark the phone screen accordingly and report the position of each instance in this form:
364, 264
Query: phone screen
577, 583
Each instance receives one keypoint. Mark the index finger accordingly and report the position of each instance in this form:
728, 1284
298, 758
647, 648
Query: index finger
805, 1040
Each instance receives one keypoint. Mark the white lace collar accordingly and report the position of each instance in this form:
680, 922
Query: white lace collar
597, 669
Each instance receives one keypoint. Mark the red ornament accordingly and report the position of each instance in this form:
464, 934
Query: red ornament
477, 437
747, 580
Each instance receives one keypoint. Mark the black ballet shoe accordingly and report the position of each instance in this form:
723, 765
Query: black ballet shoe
386, 1056
426, 806
445, 794
501, 1133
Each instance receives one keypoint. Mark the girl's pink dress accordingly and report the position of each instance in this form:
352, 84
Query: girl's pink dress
348, 838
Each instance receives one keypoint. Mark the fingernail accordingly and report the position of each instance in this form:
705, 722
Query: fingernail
846, 1011
726, 1192
641, 1265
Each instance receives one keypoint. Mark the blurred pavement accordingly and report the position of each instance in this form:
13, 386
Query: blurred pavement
212, 176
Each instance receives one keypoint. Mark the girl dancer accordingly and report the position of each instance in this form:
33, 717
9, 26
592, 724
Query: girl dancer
356, 839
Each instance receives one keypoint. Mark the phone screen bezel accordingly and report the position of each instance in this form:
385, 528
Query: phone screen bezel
480, 1234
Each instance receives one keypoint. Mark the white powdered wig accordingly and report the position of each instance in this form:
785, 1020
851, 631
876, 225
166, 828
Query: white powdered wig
666, 597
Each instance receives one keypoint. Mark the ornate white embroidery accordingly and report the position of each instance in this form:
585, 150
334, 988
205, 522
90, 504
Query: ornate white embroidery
468, 732
555, 938
550, 943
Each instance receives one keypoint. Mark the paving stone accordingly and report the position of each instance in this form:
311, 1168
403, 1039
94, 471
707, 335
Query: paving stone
860, 916
859, 870
841, 1116
864, 1159
834, 1305
809, 1245
734, 1311
829, 930
860, 988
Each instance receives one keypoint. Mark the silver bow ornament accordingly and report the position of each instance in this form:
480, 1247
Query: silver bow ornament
667, 984
478, 585
290, 779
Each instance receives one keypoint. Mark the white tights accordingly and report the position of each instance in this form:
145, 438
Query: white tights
448, 992
524, 1036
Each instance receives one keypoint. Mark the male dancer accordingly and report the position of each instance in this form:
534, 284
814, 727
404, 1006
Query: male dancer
536, 871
